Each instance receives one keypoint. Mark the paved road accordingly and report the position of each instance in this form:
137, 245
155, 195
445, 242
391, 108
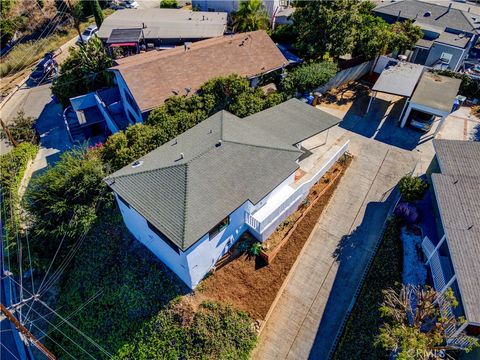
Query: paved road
309, 313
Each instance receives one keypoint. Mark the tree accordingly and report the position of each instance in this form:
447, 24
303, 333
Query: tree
374, 36
169, 4
83, 71
122, 148
62, 200
417, 329
412, 188
309, 77
405, 35
250, 16
97, 12
326, 27
22, 129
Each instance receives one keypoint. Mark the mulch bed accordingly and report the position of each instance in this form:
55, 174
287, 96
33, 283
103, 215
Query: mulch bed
250, 285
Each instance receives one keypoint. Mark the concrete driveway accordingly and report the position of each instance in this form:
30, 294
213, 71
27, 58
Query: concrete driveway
309, 314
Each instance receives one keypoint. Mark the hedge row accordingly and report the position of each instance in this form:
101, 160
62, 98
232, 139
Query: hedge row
12, 169
363, 325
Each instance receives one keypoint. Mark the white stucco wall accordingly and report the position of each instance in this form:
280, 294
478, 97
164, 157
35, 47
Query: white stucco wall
205, 253
140, 230
123, 88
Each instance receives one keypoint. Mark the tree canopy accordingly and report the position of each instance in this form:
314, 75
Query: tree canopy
326, 27
250, 16
83, 71
62, 200
169, 4
417, 328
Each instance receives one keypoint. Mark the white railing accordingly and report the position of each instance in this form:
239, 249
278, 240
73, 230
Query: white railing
427, 247
437, 272
301, 191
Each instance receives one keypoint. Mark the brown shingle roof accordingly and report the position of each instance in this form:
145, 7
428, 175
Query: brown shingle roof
154, 77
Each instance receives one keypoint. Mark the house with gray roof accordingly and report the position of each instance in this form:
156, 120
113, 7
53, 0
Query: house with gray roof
449, 33
454, 258
191, 199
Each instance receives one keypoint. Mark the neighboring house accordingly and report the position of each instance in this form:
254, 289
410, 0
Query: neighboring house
160, 28
449, 33
144, 82
190, 200
454, 258
228, 6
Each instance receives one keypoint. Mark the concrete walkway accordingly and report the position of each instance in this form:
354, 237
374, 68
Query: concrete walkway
310, 311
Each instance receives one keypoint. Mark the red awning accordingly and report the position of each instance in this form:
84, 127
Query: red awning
123, 44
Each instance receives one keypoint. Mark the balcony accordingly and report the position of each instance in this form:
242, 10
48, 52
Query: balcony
285, 201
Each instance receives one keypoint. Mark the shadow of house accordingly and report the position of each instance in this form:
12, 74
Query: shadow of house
352, 253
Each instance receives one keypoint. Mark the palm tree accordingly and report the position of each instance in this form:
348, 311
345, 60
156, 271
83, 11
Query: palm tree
250, 16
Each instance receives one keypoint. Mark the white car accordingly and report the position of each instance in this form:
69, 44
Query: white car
130, 4
87, 34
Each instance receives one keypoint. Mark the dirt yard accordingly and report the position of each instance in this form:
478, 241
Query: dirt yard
250, 285
343, 97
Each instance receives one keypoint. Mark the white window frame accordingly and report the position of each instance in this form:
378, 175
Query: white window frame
446, 57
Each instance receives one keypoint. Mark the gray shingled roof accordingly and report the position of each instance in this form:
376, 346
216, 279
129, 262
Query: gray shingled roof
458, 198
457, 40
226, 161
166, 23
440, 15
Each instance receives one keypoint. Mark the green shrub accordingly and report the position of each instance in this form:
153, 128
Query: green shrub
308, 77
131, 284
169, 4
22, 129
255, 249
12, 169
214, 331
62, 200
363, 325
412, 188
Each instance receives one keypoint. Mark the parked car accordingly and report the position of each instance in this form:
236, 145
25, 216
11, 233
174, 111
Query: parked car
421, 121
87, 34
130, 4
45, 70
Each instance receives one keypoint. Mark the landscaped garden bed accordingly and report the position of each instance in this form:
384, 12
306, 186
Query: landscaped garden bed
272, 246
245, 281
362, 328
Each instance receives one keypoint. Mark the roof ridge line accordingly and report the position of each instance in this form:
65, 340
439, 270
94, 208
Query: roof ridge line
185, 207
293, 149
144, 171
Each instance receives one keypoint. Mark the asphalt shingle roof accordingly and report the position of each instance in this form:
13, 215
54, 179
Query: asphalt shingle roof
166, 23
458, 198
226, 161
440, 15
155, 76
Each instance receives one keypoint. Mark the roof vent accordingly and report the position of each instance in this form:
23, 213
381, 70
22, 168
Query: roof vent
470, 227
427, 14
210, 131
181, 156
219, 143
174, 142
137, 164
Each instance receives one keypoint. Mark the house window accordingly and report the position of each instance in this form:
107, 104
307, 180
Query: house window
446, 57
122, 200
163, 237
219, 227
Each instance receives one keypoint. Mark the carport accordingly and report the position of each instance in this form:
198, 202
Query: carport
434, 95
398, 78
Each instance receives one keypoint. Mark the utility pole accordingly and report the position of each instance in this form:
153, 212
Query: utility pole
9, 135
27, 333
76, 22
